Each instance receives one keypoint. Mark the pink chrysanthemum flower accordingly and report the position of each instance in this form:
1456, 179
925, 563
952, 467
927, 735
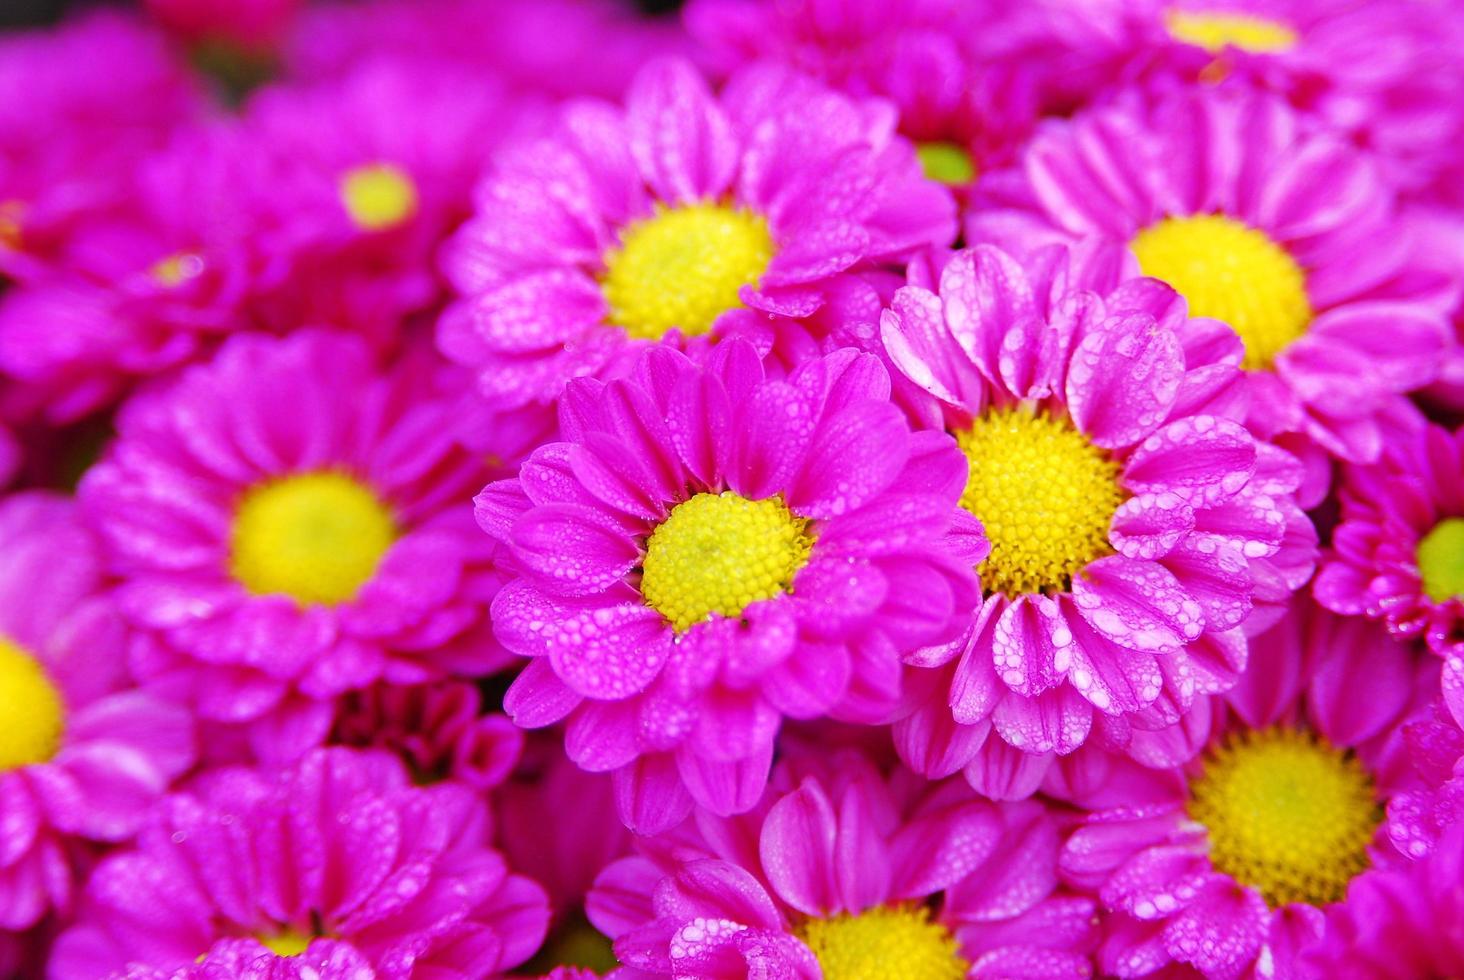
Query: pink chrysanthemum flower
1398, 553
1399, 923
1134, 524
1284, 234
70, 134
337, 859
439, 729
843, 873
82, 754
1382, 72
382, 164
966, 114
290, 524
711, 550
1229, 863
153, 284
679, 216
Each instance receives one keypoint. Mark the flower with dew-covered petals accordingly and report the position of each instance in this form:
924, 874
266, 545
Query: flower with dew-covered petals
1419, 817
846, 873
83, 754
682, 215
1135, 525
1284, 233
338, 859
1398, 552
710, 550
1228, 863
288, 525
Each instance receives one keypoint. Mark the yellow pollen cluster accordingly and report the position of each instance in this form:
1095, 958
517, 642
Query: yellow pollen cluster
1287, 814
1045, 494
288, 942
948, 163
316, 537
176, 269
719, 553
1220, 30
887, 942
378, 196
1227, 270
1440, 559
683, 267
31, 708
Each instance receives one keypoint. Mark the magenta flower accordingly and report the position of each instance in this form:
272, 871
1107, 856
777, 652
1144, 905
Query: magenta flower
1283, 233
921, 55
1418, 818
82, 754
1229, 864
1134, 524
339, 860
290, 524
682, 215
1400, 923
70, 135
438, 729
711, 550
1398, 553
838, 871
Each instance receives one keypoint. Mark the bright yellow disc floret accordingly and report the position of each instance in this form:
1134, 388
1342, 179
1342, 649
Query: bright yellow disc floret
316, 537
949, 163
1229, 271
32, 715
887, 942
1045, 494
287, 942
1440, 559
1218, 30
718, 553
683, 267
1287, 814
378, 196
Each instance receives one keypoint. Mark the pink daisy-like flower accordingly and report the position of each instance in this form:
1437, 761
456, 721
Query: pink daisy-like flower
1284, 234
70, 134
1134, 524
711, 550
967, 114
290, 524
439, 730
682, 215
150, 285
339, 860
1398, 553
382, 162
1382, 72
82, 754
843, 873
1228, 865
1399, 923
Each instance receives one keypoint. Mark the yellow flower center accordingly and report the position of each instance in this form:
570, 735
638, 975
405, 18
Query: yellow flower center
683, 267
176, 269
1045, 494
1441, 560
1219, 30
316, 537
287, 942
948, 163
1231, 272
1287, 814
719, 553
32, 715
378, 196
887, 942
